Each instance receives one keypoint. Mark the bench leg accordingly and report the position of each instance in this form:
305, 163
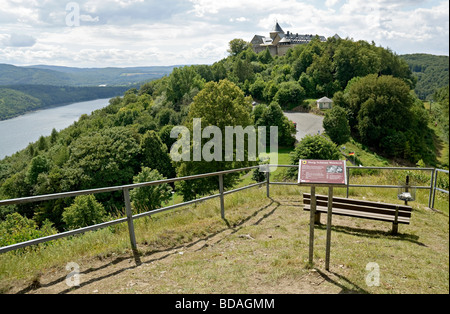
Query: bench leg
317, 218
395, 228
395, 224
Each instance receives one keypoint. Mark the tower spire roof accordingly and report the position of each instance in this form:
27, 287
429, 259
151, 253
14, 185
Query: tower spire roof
277, 28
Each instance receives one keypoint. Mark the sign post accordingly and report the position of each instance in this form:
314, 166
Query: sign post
328, 173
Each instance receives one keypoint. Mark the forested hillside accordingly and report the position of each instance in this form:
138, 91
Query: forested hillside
24, 89
13, 102
129, 140
69, 76
431, 72
19, 99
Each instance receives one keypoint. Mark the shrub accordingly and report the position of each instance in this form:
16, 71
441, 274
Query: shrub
85, 211
16, 228
336, 125
149, 197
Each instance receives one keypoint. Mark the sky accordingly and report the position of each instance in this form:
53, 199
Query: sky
124, 33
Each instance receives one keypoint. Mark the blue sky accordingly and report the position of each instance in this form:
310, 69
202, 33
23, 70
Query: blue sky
140, 33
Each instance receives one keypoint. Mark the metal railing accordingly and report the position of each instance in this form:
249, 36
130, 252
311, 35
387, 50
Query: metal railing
130, 217
431, 187
435, 188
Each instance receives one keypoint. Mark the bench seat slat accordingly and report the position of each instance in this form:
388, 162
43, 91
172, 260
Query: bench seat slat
359, 214
360, 208
307, 196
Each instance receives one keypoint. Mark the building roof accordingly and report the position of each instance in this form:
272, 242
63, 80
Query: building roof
324, 99
279, 37
300, 39
277, 29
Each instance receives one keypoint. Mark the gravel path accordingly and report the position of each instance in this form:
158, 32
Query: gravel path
307, 123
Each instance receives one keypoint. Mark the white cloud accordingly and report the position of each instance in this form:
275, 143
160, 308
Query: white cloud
88, 18
330, 3
18, 40
152, 32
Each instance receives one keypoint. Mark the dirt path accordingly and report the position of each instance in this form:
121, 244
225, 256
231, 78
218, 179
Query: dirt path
217, 264
307, 123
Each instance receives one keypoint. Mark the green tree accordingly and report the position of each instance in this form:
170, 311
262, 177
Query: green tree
257, 89
270, 90
85, 211
42, 143
273, 115
441, 96
150, 197
106, 158
53, 136
219, 104
236, 46
38, 165
384, 104
265, 57
155, 154
164, 135
243, 70
181, 82
336, 125
289, 95
387, 117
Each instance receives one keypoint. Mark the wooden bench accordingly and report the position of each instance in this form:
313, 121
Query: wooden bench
397, 214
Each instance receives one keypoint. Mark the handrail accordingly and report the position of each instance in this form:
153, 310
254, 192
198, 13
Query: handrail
47, 197
130, 217
125, 189
431, 187
435, 188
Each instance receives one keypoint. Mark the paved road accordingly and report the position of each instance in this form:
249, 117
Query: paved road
307, 123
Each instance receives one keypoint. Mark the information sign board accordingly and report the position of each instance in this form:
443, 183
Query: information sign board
327, 172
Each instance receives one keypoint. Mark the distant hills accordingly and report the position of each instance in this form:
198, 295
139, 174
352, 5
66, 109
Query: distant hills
16, 100
71, 76
431, 72
29, 88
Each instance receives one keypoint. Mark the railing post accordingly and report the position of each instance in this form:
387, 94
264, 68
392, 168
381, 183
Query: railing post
222, 200
432, 188
268, 182
126, 195
348, 179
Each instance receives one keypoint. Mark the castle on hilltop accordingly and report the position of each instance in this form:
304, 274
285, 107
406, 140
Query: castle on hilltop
279, 42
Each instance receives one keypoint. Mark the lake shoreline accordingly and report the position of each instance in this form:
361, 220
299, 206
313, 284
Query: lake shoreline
51, 107
17, 133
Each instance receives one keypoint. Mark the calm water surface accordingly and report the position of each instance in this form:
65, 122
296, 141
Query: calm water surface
17, 133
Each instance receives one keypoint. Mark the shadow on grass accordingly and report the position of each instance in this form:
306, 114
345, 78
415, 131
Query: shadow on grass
139, 255
344, 290
366, 233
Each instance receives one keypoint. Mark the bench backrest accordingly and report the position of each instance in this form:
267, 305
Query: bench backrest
360, 205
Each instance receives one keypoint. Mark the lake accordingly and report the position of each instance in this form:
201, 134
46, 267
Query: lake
17, 133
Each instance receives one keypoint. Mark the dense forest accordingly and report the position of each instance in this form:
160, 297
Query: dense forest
24, 89
129, 140
19, 99
431, 72
70, 76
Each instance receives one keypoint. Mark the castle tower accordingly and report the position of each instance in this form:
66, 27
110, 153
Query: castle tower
276, 30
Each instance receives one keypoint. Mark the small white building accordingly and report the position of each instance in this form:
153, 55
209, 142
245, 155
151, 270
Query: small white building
324, 103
